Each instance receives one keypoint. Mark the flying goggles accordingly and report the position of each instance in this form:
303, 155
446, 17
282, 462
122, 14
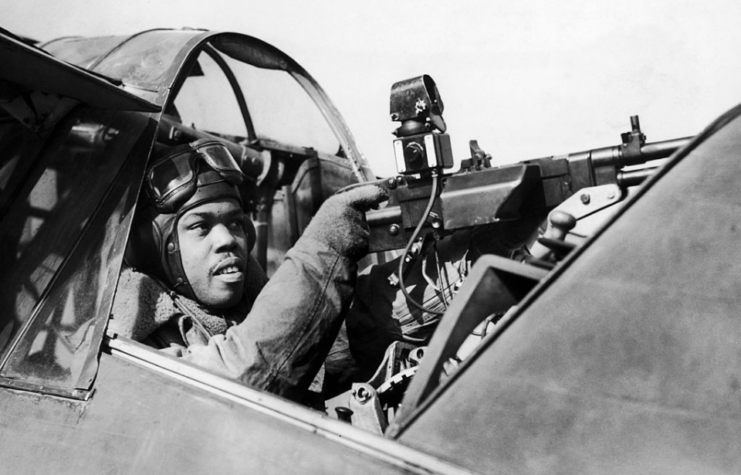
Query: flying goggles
173, 179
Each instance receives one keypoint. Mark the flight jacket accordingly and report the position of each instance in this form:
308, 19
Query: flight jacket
276, 339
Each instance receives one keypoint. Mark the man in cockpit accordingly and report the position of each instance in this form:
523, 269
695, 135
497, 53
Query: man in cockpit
194, 291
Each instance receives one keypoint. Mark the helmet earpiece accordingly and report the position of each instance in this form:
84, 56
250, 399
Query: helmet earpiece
146, 241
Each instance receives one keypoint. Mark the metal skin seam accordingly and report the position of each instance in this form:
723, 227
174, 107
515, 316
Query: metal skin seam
367, 443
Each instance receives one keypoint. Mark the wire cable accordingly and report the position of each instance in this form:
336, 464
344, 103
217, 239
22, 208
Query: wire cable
433, 195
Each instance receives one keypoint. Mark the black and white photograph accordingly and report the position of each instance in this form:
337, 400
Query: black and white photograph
390, 237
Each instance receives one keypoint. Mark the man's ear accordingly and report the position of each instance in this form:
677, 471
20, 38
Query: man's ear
249, 231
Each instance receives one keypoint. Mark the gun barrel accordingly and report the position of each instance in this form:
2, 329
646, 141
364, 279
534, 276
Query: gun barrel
615, 155
650, 151
634, 177
656, 150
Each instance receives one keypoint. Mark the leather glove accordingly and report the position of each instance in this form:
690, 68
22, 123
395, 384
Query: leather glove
340, 222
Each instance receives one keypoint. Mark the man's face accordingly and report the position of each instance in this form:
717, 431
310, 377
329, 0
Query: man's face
213, 249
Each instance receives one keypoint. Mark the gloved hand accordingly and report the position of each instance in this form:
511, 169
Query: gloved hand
340, 222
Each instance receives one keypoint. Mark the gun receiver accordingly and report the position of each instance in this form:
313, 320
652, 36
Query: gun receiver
480, 194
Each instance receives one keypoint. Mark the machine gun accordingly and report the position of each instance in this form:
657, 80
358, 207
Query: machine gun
424, 200
425, 204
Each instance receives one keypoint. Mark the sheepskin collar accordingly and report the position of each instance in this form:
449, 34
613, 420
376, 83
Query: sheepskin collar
143, 304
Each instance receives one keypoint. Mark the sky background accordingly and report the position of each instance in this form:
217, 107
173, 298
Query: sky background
526, 79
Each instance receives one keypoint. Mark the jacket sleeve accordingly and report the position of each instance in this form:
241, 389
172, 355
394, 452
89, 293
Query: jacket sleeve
282, 343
